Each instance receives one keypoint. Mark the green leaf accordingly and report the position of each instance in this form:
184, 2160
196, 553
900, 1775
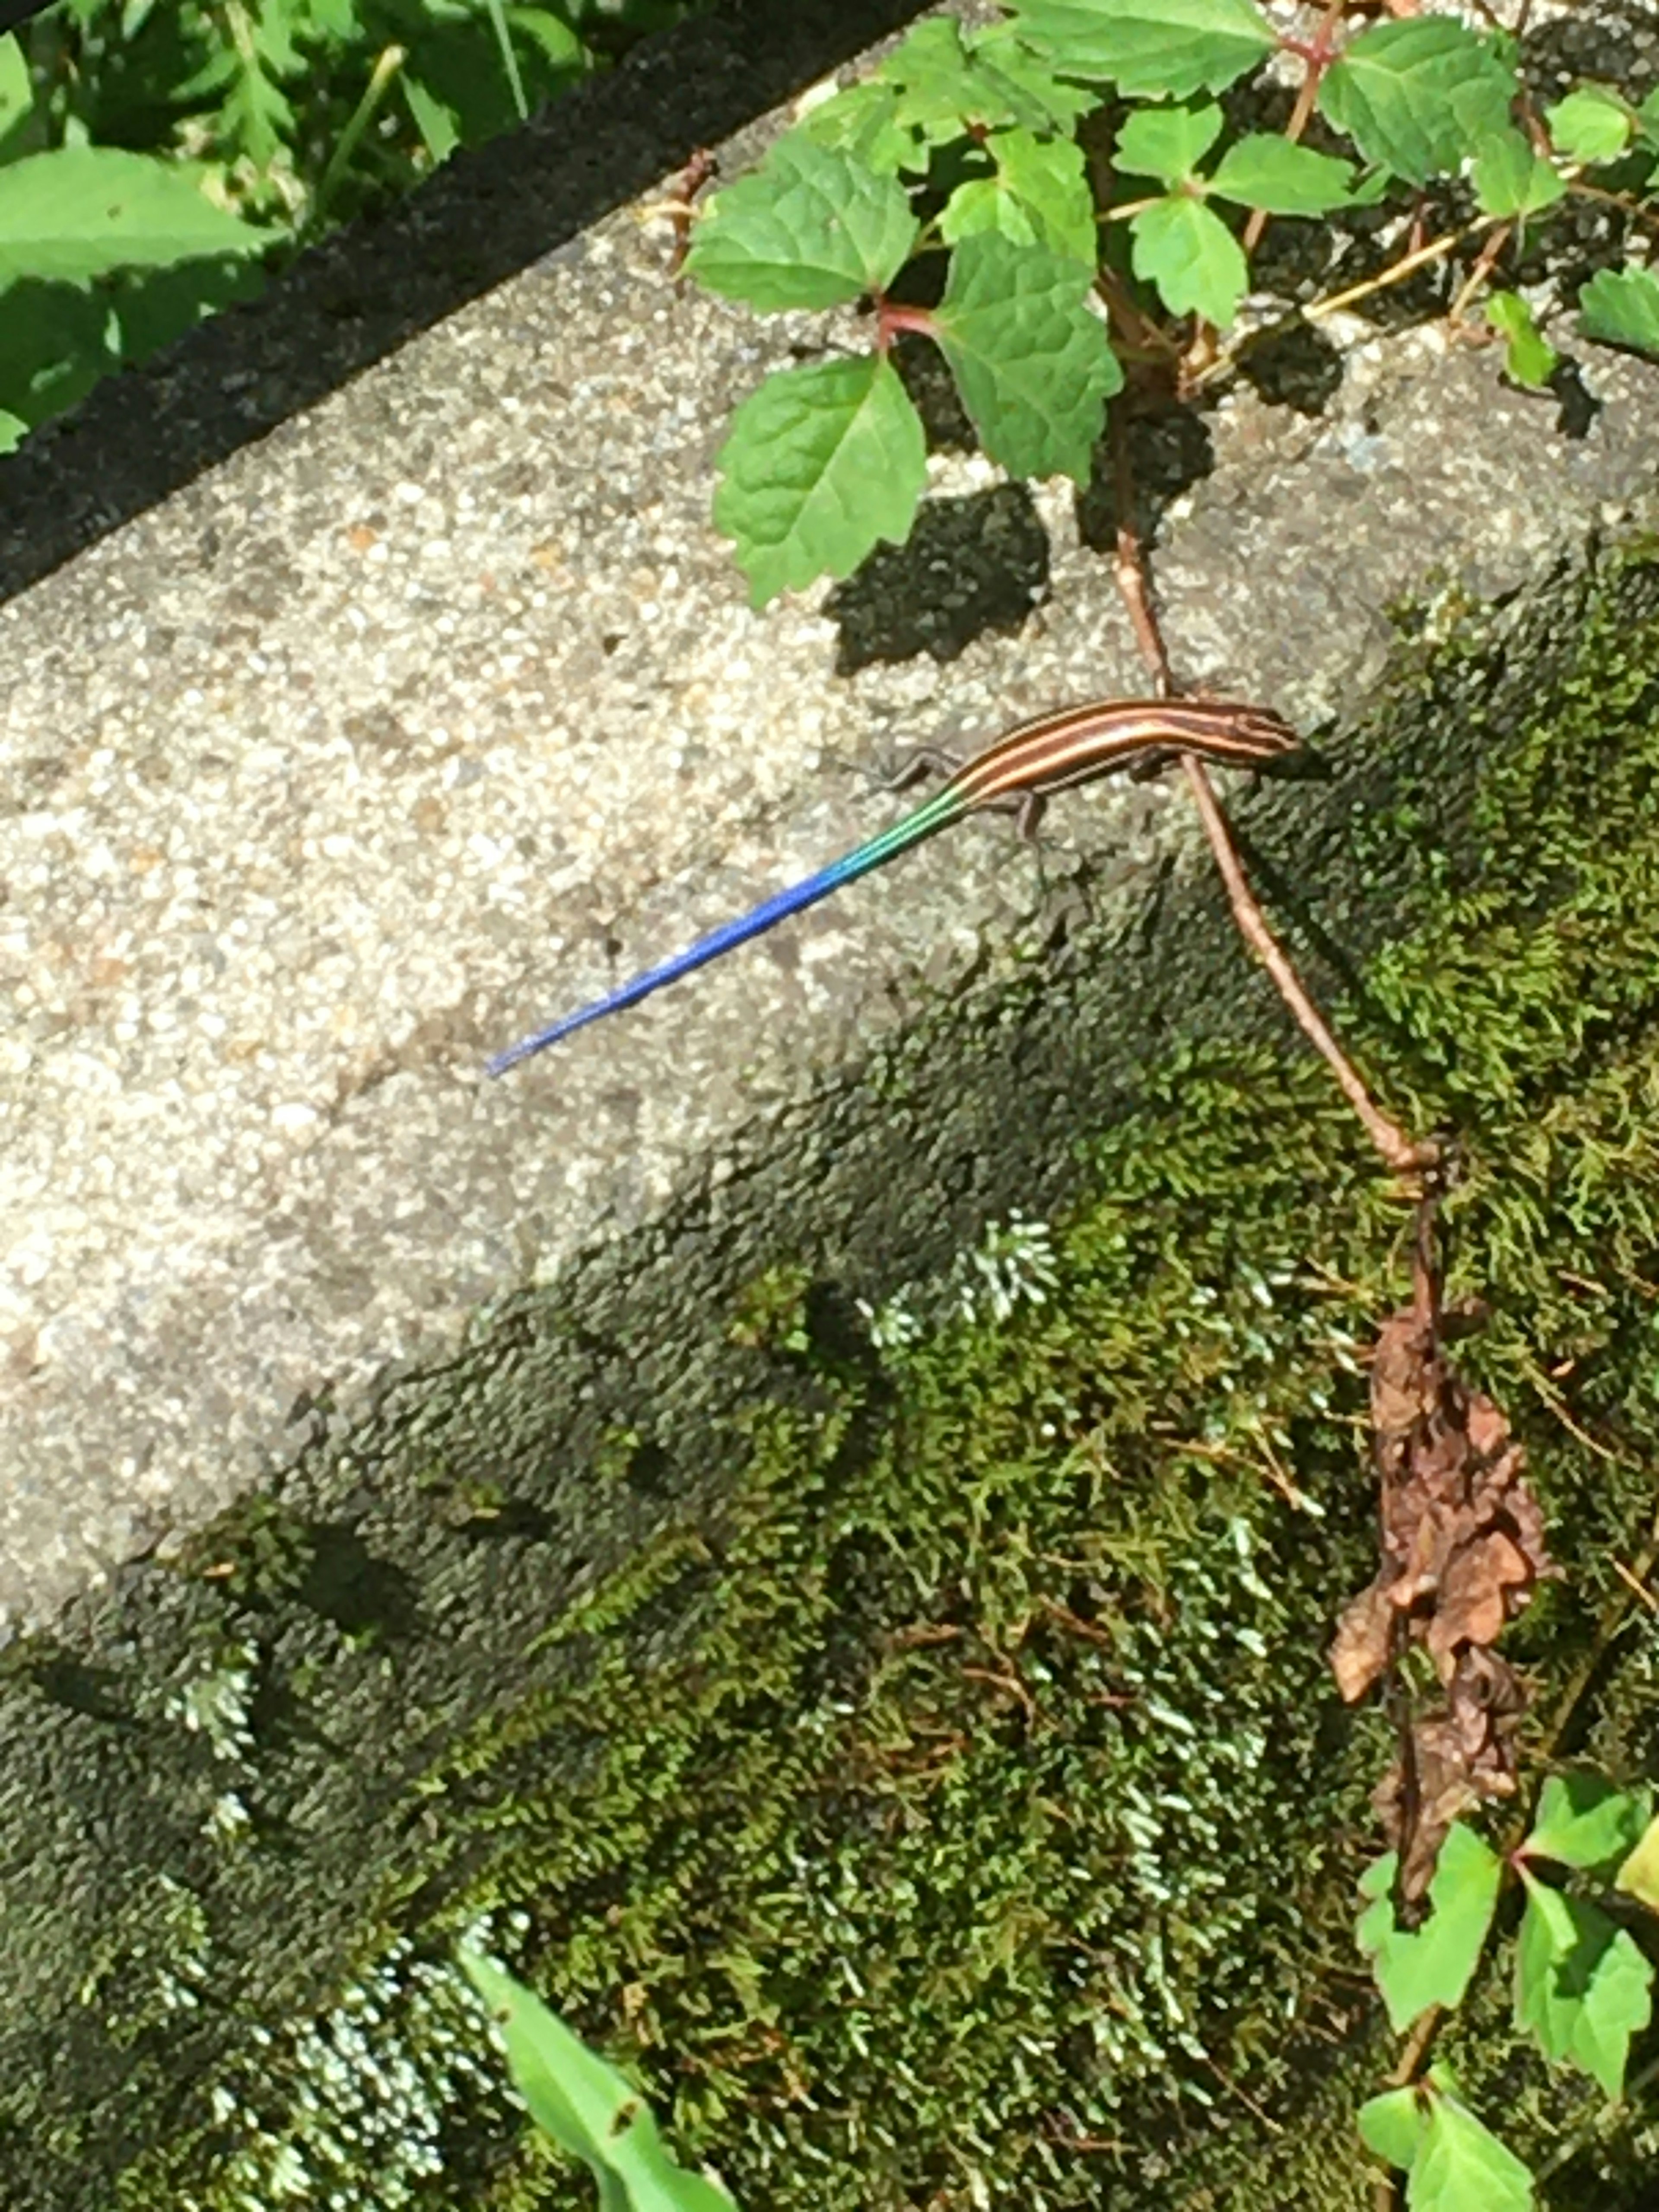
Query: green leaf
810, 229
1584, 1821
436, 121
1590, 125
1266, 171
55, 342
860, 122
1192, 257
1528, 357
1639, 1877
1040, 193
1166, 142
1416, 96
1431, 1965
80, 211
17, 98
1032, 364
1580, 1985
1618, 307
1460, 2167
1510, 179
13, 431
1160, 48
944, 88
1063, 105
588, 2107
820, 463
1392, 2125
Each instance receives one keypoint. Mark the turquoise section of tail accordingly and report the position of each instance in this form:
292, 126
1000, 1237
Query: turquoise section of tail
943, 808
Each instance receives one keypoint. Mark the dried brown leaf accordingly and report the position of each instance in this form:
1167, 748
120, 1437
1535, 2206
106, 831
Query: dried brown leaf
1363, 1642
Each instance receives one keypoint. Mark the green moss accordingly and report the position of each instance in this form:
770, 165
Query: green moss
915, 1758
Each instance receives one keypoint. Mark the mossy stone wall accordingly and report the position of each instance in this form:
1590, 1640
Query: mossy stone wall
857, 1645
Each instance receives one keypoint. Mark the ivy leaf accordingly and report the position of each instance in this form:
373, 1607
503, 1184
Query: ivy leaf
819, 463
1639, 1877
1463, 2167
1164, 47
1063, 105
1585, 1822
1192, 257
944, 88
1267, 171
1528, 357
811, 228
17, 98
1167, 143
585, 2105
1580, 1985
56, 340
1416, 96
81, 211
1040, 193
1589, 125
1032, 364
1392, 2125
860, 123
1431, 1965
1510, 179
1619, 307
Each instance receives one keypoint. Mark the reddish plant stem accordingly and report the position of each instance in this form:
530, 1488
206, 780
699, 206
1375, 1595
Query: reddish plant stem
1318, 55
1400, 1152
892, 317
681, 195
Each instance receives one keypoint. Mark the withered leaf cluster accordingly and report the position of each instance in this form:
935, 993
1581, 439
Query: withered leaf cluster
1462, 1545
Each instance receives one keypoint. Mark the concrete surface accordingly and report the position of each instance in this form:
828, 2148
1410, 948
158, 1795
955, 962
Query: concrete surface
440, 707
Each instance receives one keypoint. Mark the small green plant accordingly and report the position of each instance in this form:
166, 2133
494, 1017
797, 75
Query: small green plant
1073, 173
585, 2105
1582, 1985
154, 159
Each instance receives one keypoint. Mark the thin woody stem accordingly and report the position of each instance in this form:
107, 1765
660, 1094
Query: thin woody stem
1396, 1148
1131, 568
1319, 60
1400, 1151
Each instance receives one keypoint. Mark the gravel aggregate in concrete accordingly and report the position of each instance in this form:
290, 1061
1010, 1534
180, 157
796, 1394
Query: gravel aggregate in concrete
441, 708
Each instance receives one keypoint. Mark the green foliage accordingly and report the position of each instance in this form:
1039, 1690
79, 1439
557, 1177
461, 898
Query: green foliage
1583, 1822
1030, 362
1528, 357
81, 211
1416, 96
1417, 1967
961, 137
1460, 2167
820, 464
1510, 179
1591, 125
1580, 1985
811, 228
1620, 306
585, 2105
1638, 1876
1156, 46
155, 160
1453, 2163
